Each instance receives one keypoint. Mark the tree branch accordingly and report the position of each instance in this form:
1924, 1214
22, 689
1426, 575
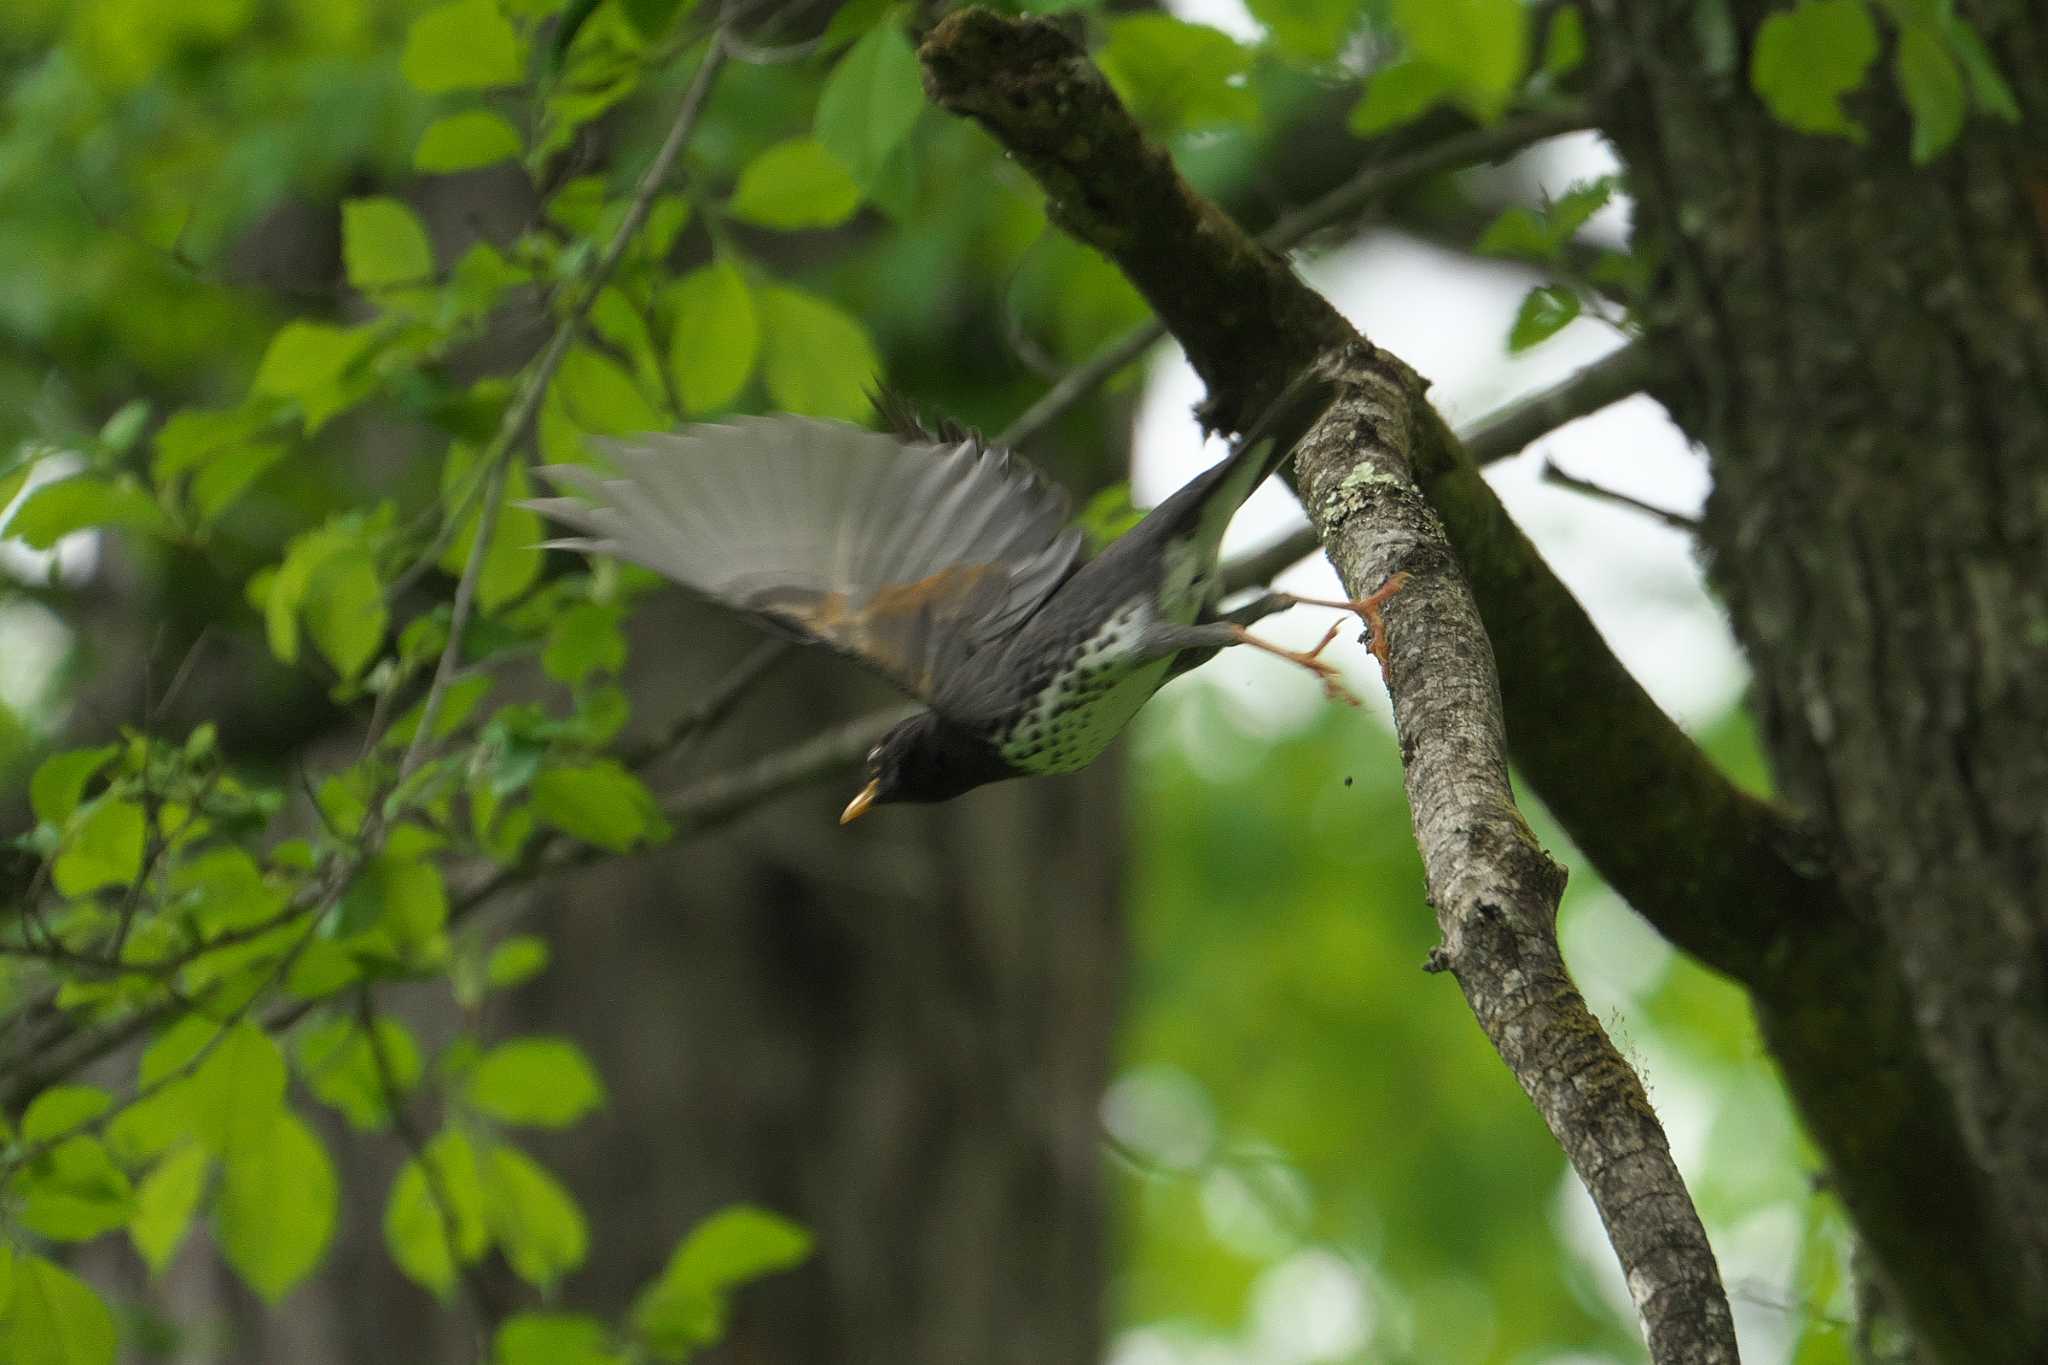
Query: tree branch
1249, 326
1376, 182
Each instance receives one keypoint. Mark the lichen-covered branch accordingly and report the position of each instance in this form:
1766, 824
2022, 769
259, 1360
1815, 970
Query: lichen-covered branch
1248, 326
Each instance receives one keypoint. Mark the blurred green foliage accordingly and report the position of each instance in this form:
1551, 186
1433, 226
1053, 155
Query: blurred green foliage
1319, 1156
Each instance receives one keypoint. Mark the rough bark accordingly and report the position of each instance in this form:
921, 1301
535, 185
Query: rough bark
1863, 346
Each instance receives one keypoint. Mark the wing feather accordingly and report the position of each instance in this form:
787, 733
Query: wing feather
908, 554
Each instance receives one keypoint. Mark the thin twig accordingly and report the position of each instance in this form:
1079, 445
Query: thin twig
712, 707
483, 1297
458, 621
1500, 435
1398, 173
1508, 431
1677, 521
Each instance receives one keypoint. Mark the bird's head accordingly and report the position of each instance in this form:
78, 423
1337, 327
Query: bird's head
925, 759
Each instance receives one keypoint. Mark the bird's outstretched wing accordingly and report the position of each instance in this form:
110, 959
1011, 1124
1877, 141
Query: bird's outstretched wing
908, 555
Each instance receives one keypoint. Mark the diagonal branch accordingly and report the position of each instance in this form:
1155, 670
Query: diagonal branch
1249, 326
1376, 182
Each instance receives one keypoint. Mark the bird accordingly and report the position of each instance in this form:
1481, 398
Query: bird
952, 566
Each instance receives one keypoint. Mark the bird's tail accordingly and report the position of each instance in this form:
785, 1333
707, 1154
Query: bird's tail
1214, 496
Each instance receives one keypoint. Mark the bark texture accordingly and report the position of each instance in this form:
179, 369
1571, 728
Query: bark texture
1862, 344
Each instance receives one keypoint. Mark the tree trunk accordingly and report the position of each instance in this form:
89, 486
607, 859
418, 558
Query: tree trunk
1863, 347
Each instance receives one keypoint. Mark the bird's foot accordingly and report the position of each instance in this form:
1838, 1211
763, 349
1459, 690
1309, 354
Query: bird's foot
1367, 607
1310, 659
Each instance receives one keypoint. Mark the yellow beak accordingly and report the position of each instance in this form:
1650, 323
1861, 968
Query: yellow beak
860, 803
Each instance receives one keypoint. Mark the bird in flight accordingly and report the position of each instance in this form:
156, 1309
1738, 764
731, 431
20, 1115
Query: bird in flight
951, 566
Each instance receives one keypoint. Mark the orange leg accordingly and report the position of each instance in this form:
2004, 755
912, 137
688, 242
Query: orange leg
1369, 608
1334, 689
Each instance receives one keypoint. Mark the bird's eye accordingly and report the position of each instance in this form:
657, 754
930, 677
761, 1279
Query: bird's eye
875, 756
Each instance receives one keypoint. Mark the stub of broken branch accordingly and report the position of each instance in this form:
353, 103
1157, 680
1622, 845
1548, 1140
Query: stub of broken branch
1249, 326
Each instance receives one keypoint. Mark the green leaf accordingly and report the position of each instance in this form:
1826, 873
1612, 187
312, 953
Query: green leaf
1519, 232
344, 609
1933, 88
223, 480
601, 397
458, 703
795, 184
870, 102
192, 437
1481, 46
598, 802
275, 1211
314, 364
512, 561
543, 1081
402, 897
75, 1192
652, 17
465, 141
1987, 86
238, 1092
816, 358
1313, 30
384, 243
1175, 76
534, 1220
164, 1204
717, 337
119, 432
323, 968
516, 961
1542, 237
1564, 46
684, 1308
104, 848
54, 510
468, 45
339, 1066
59, 781
738, 1244
415, 1229
1398, 94
1807, 58
1575, 208
175, 1048
60, 1109
55, 1318
584, 639
552, 1339
223, 889
1544, 312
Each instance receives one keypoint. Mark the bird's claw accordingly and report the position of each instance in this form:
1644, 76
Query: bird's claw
1333, 683
1333, 686
1368, 608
